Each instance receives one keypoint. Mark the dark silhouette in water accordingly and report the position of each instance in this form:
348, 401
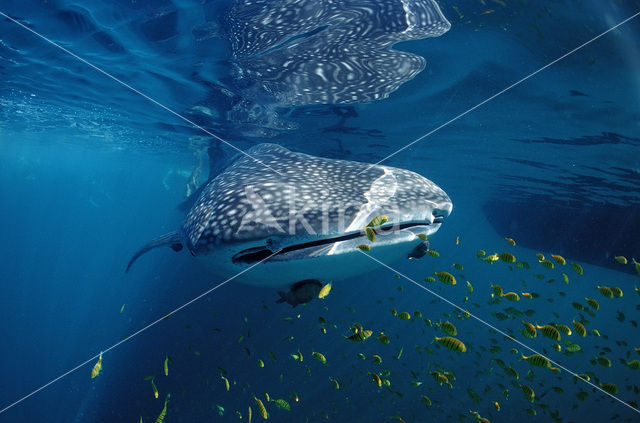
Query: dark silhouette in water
592, 233
301, 292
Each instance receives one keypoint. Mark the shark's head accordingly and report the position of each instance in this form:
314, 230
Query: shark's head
304, 216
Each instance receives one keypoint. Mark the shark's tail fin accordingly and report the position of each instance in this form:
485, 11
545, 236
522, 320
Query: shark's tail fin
172, 239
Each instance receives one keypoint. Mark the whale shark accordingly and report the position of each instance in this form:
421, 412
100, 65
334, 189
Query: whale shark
303, 217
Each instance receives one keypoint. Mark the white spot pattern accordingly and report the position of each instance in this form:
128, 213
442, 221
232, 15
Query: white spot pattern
330, 51
320, 196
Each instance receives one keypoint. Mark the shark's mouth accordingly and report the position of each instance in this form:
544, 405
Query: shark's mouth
264, 252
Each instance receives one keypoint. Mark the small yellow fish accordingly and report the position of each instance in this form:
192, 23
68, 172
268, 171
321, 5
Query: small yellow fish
122, 308
166, 364
603, 361
376, 379
457, 240
319, 356
538, 360
155, 390
446, 277
527, 295
617, 292
548, 264
492, 258
282, 404
422, 237
364, 247
496, 405
404, 316
433, 253
592, 303
399, 353
497, 290
550, 332
579, 328
335, 383
621, 259
577, 268
449, 328
249, 413
377, 359
370, 233
261, 410
610, 388
453, 344
360, 336
481, 253
559, 259
507, 257
163, 413
511, 296
383, 338
226, 382
97, 368
510, 241
528, 392
540, 256
469, 287
325, 291
563, 328
529, 330
634, 364
378, 220
605, 290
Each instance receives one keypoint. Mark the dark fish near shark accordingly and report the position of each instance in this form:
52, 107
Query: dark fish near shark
303, 216
301, 292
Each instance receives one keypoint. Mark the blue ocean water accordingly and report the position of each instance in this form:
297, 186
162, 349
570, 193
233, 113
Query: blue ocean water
90, 171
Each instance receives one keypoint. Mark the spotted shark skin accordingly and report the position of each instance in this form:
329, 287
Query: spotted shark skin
310, 211
329, 52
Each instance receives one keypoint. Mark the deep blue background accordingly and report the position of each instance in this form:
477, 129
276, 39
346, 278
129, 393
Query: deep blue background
90, 171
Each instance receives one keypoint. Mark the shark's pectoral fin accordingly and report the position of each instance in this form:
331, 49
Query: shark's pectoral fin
171, 239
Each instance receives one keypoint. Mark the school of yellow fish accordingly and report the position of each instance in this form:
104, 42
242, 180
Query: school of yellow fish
522, 372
